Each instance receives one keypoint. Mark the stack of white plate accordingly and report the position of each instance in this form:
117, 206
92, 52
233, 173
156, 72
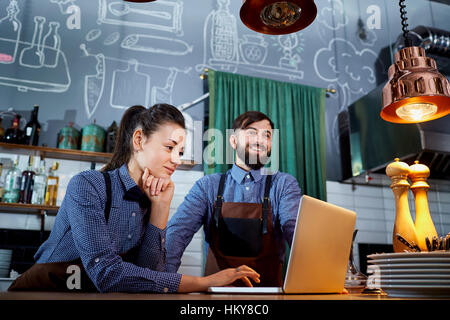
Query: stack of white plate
410, 274
5, 262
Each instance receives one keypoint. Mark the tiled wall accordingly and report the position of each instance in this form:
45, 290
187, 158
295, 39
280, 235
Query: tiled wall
375, 208
192, 262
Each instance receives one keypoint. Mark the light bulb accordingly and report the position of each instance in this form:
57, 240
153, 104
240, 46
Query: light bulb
416, 111
280, 14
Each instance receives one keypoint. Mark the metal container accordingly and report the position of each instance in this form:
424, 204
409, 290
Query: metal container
111, 135
69, 138
93, 138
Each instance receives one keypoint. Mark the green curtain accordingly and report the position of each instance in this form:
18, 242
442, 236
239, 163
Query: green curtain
298, 111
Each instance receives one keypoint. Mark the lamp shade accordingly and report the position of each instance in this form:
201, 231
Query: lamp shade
416, 91
278, 17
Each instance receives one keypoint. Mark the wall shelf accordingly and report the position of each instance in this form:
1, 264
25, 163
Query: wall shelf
28, 208
64, 154
68, 154
41, 210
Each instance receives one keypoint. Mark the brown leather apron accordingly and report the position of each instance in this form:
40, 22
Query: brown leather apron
53, 276
242, 233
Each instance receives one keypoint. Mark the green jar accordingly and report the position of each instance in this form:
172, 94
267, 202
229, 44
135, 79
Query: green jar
69, 138
93, 138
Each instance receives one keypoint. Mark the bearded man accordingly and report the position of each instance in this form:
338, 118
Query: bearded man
248, 214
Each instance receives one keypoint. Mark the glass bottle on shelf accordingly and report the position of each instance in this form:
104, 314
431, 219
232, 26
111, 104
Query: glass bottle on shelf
51, 192
2, 183
2, 131
26, 186
40, 181
12, 183
33, 128
14, 134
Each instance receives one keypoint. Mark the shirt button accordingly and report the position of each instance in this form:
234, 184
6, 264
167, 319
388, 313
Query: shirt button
97, 260
163, 240
248, 176
129, 236
133, 214
166, 290
246, 188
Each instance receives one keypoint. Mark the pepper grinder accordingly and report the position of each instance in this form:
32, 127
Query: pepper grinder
403, 225
424, 224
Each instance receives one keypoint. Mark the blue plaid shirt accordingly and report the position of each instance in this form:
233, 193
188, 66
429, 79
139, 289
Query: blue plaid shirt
81, 231
240, 186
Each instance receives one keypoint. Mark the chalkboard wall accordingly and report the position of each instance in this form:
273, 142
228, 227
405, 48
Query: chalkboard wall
86, 60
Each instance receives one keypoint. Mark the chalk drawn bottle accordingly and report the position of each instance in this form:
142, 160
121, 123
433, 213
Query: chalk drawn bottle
10, 28
51, 46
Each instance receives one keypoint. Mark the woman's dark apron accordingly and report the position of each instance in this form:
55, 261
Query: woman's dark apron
242, 234
53, 276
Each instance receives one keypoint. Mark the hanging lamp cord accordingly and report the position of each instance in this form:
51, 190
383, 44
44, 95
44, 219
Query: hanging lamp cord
404, 22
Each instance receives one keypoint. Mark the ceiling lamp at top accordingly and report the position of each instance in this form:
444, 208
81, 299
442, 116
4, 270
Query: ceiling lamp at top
416, 91
278, 17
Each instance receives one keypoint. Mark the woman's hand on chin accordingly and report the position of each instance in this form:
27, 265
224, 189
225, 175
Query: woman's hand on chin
158, 190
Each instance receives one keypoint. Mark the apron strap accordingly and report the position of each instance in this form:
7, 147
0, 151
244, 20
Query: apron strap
219, 199
266, 201
108, 195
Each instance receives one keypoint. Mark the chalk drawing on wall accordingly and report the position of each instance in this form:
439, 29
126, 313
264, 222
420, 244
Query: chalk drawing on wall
333, 13
111, 39
94, 84
93, 34
349, 73
162, 15
156, 44
63, 5
253, 49
164, 94
129, 82
220, 40
42, 58
10, 30
224, 51
254, 52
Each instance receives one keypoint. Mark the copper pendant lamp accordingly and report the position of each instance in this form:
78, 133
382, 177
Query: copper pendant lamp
278, 17
416, 91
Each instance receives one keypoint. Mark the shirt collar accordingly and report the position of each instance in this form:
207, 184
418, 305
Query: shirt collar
127, 181
240, 174
132, 191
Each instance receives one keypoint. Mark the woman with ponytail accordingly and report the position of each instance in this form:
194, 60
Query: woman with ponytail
109, 233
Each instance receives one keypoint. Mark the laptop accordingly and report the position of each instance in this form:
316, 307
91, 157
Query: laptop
319, 254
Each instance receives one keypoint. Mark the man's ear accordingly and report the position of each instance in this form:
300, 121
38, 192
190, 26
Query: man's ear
233, 141
138, 140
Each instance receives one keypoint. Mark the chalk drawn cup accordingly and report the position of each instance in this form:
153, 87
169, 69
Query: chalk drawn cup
253, 49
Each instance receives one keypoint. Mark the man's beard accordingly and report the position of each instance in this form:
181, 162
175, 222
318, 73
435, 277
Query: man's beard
253, 161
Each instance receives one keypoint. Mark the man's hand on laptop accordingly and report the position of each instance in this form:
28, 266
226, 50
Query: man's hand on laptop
228, 276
